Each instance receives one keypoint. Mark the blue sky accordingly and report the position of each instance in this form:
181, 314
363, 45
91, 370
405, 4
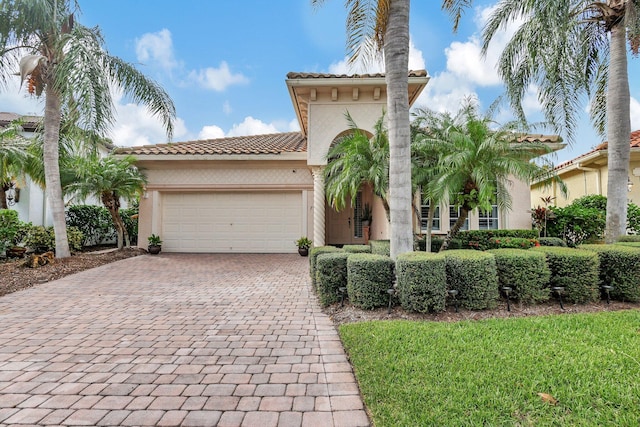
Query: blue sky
224, 63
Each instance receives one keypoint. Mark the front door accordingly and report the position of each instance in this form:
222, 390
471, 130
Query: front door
345, 227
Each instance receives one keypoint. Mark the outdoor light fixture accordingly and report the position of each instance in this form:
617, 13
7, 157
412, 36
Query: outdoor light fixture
12, 194
629, 184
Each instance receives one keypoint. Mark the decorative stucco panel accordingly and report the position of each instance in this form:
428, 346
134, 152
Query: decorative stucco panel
214, 176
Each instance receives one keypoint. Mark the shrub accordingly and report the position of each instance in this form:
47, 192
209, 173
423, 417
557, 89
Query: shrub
422, 281
482, 239
313, 254
357, 249
475, 276
130, 218
436, 243
9, 226
620, 268
576, 224
331, 274
380, 247
633, 218
552, 241
94, 221
512, 243
368, 278
631, 238
576, 271
629, 244
526, 272
43, 239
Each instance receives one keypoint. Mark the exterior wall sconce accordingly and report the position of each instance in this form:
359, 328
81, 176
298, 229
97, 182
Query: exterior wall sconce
13, 194
629, 184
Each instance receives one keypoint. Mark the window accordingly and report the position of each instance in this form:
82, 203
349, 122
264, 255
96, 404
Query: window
424, 215
454, 214
357, 216
488, 220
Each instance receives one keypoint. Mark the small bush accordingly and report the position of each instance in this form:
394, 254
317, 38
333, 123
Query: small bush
331, 274
526, 272
94, 221
475, 276
576, 271
380, 247
357, 249
620, 268
422, 281
436, 243
482, 239
313, 254
369, 277
9, 226
43, 239
552, 241
629, 244
512, 243
130, 218
630, 238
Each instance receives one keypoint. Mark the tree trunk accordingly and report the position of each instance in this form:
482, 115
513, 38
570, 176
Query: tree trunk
618, 133
464, 213
396, 58
3, 198
52, 115
430, 216
112, 203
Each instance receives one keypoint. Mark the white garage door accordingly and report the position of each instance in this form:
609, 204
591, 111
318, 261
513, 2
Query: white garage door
231, 222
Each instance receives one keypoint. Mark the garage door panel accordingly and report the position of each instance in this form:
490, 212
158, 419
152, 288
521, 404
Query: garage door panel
231, 222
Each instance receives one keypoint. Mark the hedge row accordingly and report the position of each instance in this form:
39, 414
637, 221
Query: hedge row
422, 281
525, 272
620, 268
313, 255
331, 275
474, 275
369, 278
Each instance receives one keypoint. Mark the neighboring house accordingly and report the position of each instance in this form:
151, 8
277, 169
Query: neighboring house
31, 203
260, 193
587, 174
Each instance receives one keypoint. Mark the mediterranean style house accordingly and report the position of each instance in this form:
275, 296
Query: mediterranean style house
260, 193
587, 175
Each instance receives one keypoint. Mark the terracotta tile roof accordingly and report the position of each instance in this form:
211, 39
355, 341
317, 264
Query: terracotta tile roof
297, 75
634, 142
29, 123
277, 143
544, 139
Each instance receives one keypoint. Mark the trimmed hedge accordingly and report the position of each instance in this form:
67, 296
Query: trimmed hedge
629, 244
526, 272
369, 277
575, 270
552, 241
631, 238
422, 281
620, 268
357, 249
313, 254
380, 247
475, 276
482, 239
331, 274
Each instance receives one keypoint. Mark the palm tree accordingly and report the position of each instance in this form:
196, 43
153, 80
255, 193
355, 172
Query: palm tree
108, 179
356, 160
571, 50
67, 64
480, 159
13, 156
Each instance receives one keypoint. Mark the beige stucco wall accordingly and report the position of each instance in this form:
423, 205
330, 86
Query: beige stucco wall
233, 176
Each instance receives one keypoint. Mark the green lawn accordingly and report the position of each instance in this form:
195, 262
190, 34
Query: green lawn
489, 373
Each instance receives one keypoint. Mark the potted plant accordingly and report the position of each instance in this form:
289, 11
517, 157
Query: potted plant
366, 215
303, 245
155, 244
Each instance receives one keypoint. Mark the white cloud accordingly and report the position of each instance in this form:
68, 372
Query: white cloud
251, 126
14, 99
444, 92
416, 62
226, 108
217, 79
156, 48
211, 132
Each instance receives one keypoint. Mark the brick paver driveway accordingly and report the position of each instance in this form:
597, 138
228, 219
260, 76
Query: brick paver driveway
176, 339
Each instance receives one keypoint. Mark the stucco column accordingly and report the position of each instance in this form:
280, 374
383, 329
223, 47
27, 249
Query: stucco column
318, 206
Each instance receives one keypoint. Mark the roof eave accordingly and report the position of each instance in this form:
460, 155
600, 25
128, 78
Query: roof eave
219, 157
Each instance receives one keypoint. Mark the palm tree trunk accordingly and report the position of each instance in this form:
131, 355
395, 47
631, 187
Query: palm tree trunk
396, 58
430, 215
464, 213
52, 114
113, 206
618, 133
3, 198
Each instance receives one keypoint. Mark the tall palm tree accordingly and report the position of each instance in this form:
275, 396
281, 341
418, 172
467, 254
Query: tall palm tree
356, 160
574, 49
13, 157
67, 64
109, 180
480, 160
382, 26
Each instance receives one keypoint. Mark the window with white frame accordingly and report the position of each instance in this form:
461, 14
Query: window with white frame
454, 214
488, 220
424, 215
